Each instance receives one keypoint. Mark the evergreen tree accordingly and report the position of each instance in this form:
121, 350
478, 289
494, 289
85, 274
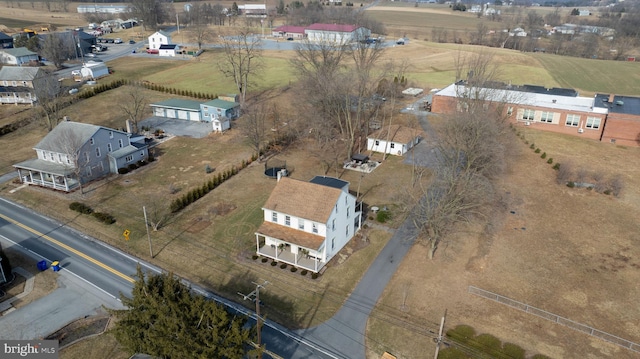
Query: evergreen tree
165, 319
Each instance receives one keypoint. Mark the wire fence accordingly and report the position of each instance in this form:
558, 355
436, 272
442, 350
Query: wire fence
556, 319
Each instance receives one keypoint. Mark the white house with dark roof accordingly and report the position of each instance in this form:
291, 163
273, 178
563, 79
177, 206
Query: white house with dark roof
159, 38
74, 153
17, 84
307, 223
394, 140
336, 33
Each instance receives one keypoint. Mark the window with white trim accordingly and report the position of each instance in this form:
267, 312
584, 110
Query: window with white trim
86, 157
528, 114
110, 134
593, 123
346, 230
120, 143
274, 217
301, 224
509, 111
314, 228
128, 158
572, 120
333, 224
287, 220
109, 148
377, 142
393, 145
333, 243
97, 151
547, 117
92, 141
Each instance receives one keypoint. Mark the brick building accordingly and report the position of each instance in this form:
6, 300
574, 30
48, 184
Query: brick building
603, 117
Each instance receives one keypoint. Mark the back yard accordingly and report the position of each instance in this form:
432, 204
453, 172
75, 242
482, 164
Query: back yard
569, 251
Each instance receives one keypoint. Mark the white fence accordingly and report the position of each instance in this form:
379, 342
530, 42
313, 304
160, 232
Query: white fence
556, 319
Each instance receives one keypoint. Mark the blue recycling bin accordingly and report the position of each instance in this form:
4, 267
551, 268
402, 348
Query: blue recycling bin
55, 266
42, 265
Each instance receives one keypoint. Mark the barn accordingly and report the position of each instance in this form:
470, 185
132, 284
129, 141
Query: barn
177, 109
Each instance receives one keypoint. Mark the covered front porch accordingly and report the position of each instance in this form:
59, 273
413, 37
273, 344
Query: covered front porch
47, 174
284, 244
286, 255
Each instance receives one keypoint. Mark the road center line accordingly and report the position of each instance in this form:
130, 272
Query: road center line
70, 249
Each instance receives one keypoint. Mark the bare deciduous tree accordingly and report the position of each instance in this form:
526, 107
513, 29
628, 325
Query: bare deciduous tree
133, 104
200, 17
70, 142
50, 98
255, 125
241, 60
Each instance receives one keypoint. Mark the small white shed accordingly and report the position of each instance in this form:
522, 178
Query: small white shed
394, 140
170, 50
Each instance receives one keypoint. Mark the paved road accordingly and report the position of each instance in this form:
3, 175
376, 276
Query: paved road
106, 270
74, 298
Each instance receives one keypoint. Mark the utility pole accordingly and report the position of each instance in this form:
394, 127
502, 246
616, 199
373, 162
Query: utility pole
146, 224
255, 296
439, 338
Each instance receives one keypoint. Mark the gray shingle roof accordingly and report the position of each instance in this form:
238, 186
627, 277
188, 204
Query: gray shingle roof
55, 140
18, 52
179, 104
12, 73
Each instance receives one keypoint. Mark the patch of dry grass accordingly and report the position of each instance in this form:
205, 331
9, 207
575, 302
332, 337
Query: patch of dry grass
104, 346
567, 251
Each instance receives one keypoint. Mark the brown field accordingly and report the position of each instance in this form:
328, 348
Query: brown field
568, 251
576, 257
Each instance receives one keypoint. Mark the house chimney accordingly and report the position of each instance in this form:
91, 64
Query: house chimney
128, 124
611, 98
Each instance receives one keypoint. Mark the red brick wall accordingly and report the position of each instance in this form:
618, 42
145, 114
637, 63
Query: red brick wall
623, 128
447, 105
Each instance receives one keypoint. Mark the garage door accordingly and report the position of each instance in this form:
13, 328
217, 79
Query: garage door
171, 113
158, 112
183, 115
194, 116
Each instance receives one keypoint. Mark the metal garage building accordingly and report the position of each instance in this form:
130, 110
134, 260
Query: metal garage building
177, 109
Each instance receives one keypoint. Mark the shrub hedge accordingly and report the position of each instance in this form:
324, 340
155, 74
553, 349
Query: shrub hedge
80, 208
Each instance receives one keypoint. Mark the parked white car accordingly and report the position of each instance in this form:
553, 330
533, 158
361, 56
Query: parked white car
117, 41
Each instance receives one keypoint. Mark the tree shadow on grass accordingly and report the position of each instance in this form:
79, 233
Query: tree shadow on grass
274, 304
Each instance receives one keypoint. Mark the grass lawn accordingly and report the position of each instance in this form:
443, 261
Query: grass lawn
567, 251
104, 346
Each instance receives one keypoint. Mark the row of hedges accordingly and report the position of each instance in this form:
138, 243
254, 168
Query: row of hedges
146, 84
485, 343
8, 128
84, 209
195, 194
135, 166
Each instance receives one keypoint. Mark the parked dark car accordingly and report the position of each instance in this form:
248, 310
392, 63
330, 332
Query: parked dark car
110, 41
132, 42
289, 38
100, 40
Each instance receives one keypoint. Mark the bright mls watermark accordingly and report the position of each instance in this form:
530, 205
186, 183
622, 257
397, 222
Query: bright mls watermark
32, 349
